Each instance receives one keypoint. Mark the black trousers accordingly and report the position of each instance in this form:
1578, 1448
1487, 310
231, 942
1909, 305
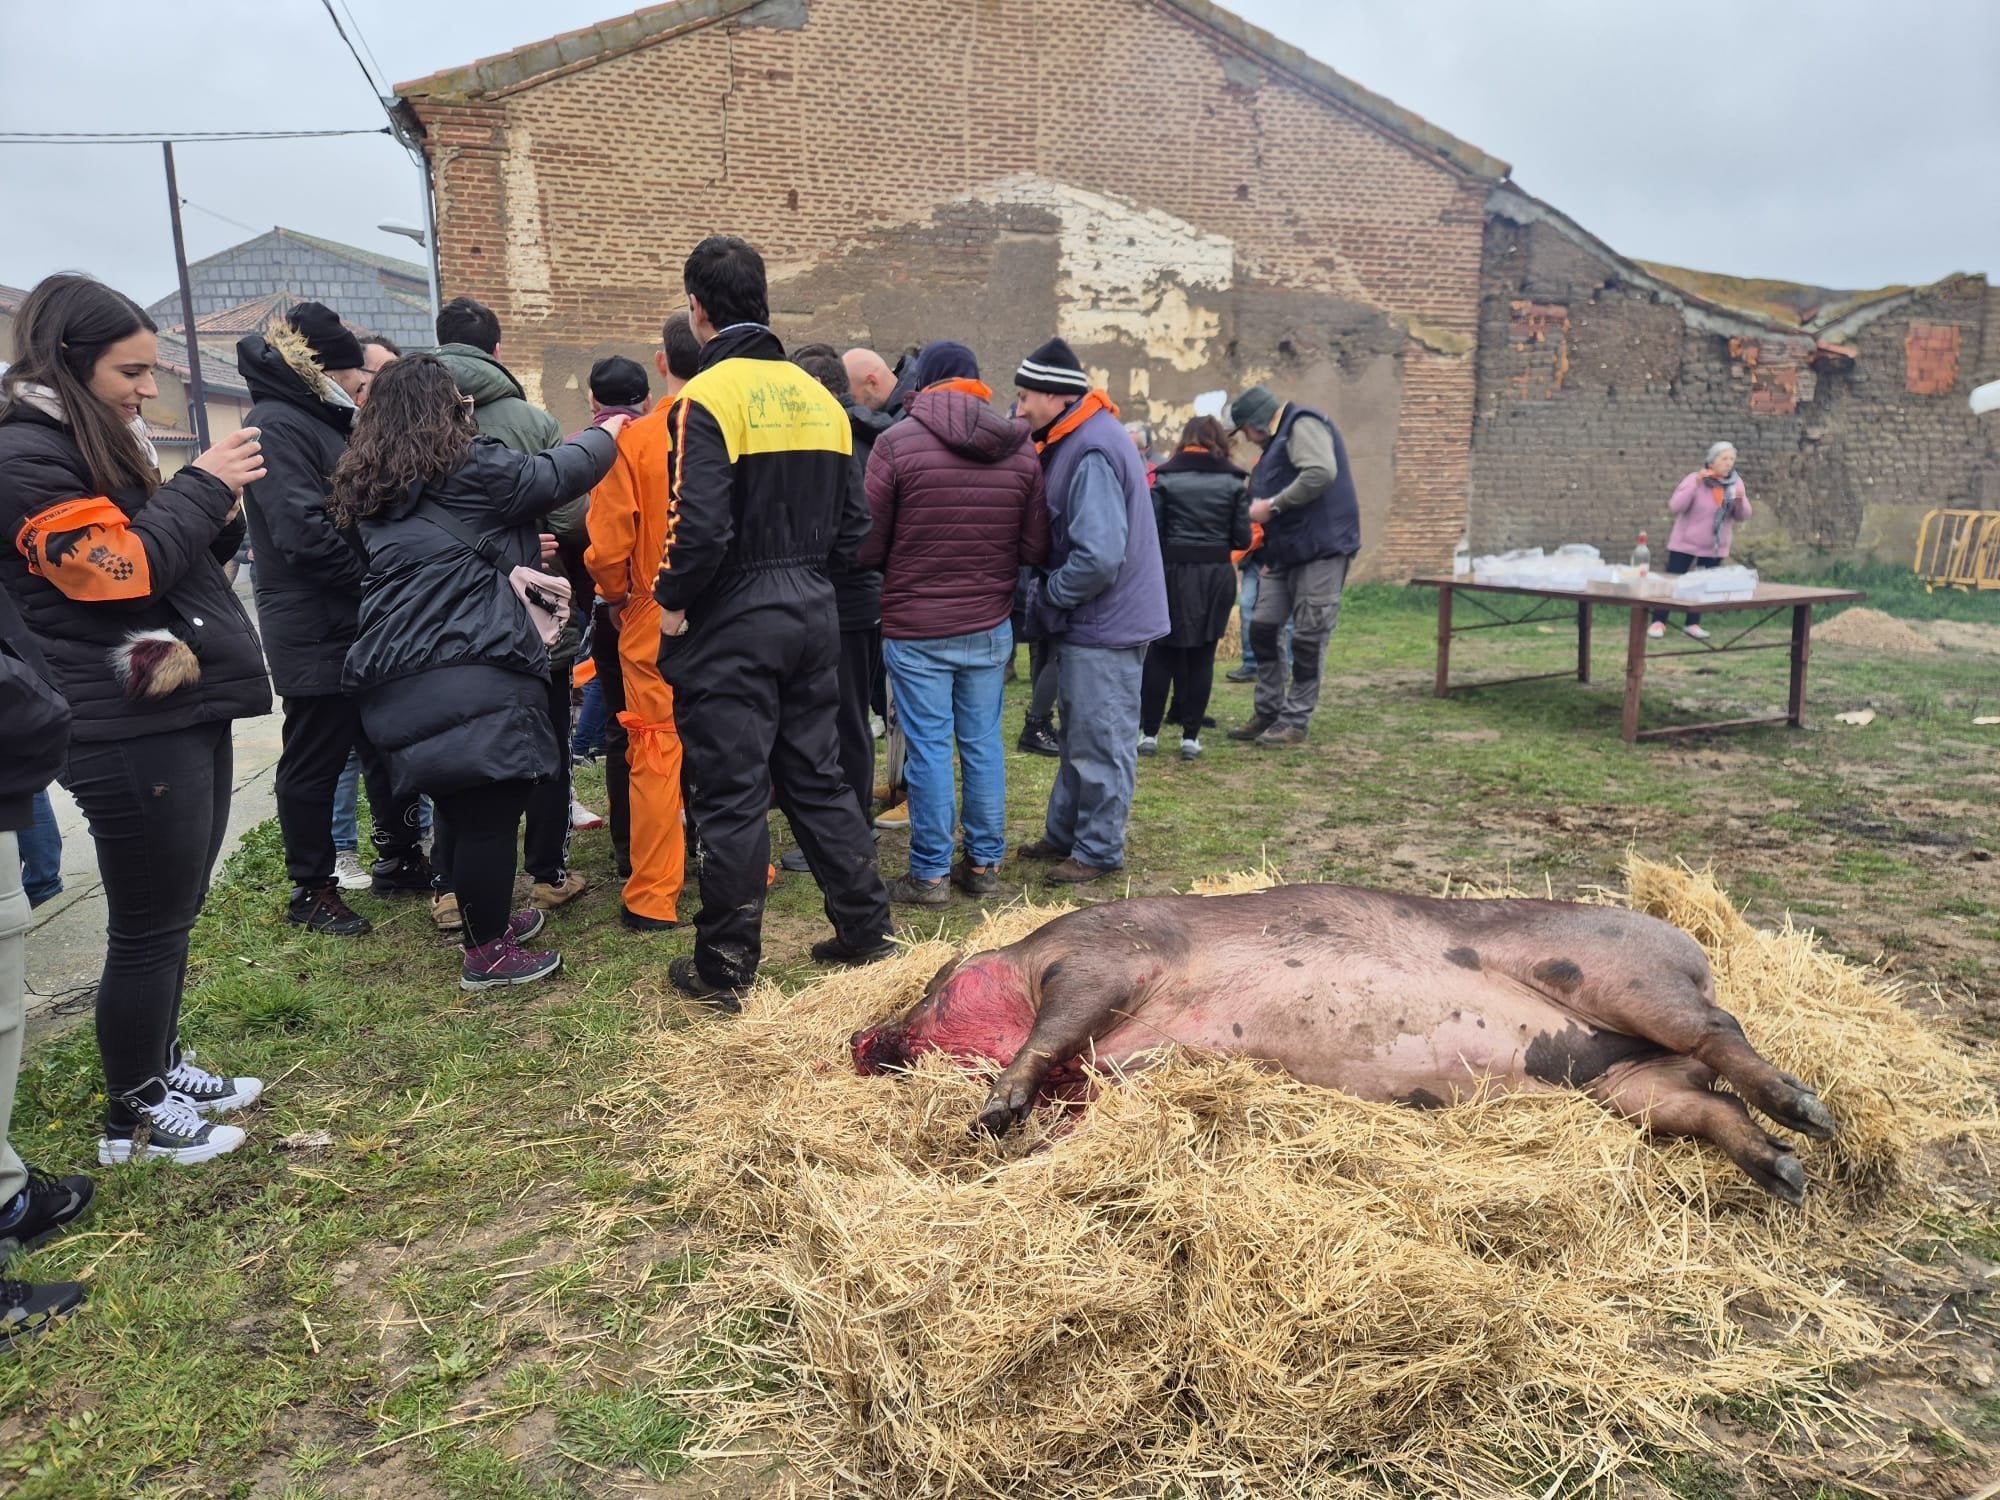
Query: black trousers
157, 805
318, 732
473, 851
617, 770
757, 698
545, 844
1042, 680
1189, 672
860, 667
1682, 562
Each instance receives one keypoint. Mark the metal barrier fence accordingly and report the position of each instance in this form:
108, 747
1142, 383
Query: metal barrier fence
1959, 549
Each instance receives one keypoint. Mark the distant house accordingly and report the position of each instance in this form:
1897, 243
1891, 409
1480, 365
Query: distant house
237, 290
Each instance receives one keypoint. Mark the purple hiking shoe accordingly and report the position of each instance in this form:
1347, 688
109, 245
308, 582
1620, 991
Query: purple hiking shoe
500, 962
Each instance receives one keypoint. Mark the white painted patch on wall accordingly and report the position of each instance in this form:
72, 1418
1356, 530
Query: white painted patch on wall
1127, 271
527, 246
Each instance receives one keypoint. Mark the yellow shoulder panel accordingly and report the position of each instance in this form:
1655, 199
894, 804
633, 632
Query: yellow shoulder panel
770, 406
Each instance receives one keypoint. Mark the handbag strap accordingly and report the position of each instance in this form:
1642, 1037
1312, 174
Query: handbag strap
446, 522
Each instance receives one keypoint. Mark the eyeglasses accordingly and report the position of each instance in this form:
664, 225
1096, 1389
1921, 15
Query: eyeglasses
468, 403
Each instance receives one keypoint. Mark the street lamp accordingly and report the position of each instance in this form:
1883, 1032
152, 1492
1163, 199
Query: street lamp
407, 231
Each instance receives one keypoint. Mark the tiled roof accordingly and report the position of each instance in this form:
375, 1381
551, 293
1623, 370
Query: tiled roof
11, 298
245, 317
236, 289
409, 270
218, 362
159, 432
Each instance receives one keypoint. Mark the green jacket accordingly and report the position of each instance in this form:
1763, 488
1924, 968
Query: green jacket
500, 409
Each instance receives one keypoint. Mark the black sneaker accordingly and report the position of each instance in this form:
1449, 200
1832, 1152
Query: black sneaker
794, 861
638, 923
211, 1093
26, 1310
973, 881
323, 911
401, 875
686, 977
154, 1123
1038, 738
836, 950
42, 1210
1241, 674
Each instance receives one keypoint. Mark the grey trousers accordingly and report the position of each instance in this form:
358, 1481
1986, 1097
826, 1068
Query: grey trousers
1098, 690
13, 1004
1308, 596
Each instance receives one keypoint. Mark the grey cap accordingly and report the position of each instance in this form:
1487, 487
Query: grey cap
1254, 408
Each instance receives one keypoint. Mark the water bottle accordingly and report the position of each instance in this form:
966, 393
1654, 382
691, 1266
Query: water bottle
1461, 557
1642, 557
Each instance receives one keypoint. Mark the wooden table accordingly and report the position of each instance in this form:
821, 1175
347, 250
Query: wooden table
1769, 601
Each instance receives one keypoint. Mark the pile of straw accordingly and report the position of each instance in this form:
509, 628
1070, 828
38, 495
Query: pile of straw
1223, 1281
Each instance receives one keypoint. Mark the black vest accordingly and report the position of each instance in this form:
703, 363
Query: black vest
1330, 526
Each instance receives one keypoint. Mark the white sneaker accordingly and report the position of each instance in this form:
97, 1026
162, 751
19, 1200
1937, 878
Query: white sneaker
1190, 749
1149, 744
1697, 632
209, 1092
582, 817
1657, 630
348, 873
170, 1130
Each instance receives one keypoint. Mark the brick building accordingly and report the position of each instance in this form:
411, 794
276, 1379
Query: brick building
1195, 205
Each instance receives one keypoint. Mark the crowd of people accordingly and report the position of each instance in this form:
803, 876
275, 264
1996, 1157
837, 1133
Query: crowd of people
759, 567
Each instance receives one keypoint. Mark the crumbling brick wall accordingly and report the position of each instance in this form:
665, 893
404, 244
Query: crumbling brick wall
844, 138
1596, 395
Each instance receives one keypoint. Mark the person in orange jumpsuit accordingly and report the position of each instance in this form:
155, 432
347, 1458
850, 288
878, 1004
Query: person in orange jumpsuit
628, 529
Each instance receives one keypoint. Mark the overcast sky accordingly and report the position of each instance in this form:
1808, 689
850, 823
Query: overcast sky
1842, 142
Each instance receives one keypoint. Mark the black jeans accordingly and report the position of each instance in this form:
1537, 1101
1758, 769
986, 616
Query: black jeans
1041, 680
1189, 671
1677, 564
473, 851
860, 666
319, 731
545, 846
756, 694
617, 770
157, 805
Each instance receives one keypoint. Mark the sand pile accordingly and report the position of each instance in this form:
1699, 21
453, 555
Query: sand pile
1874, 631
1224, 1282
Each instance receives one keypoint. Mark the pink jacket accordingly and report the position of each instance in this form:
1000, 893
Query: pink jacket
1695, 507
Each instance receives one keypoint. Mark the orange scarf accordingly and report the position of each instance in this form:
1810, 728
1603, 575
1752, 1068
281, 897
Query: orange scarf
977, 388
1092, 403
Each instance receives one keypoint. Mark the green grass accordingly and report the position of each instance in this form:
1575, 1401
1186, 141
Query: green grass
415, 1307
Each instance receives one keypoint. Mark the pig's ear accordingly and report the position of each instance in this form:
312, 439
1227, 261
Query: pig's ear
937, 980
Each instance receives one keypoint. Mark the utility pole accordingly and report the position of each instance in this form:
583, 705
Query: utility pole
197, 399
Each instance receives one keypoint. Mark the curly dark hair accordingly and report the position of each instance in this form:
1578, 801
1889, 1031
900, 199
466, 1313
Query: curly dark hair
415, 429
1206, 432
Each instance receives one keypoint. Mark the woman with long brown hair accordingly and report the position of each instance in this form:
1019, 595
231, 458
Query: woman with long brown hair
118, 578
450, 666
1202, 506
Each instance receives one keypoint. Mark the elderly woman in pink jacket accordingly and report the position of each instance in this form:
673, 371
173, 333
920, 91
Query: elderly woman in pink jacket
1706, 507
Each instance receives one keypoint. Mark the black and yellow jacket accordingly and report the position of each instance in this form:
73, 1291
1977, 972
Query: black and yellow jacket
759, 480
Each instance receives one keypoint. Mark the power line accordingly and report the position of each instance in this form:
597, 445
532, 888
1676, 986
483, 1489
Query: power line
381, 78
200, 209
334, 16
155, 137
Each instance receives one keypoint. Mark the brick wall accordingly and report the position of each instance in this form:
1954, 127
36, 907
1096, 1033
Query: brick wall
845, 149
1595, 397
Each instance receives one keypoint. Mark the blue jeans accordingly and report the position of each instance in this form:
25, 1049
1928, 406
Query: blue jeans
347, 806
590, 720
948, 691
1246, 606
41, 854
1099, 734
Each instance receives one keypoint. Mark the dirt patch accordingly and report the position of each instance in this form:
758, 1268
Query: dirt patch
1872, 630
1961, 635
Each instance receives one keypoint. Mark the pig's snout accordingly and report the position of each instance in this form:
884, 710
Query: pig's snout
880, 1049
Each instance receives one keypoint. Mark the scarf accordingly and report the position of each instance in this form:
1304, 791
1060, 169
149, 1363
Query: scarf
977, 388
1092, 403
49, 404
1723, 492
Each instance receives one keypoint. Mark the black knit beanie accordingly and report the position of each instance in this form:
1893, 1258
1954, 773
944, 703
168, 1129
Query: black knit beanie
1053, 368
333, 346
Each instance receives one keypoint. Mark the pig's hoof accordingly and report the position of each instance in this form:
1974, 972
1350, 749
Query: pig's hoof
995, 1118
1804, 1112
1783, 1178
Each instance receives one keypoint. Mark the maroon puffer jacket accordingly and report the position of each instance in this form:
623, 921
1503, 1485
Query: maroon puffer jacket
955, 490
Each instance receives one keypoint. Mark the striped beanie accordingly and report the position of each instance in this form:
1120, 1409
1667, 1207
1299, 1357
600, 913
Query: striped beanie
1053, 368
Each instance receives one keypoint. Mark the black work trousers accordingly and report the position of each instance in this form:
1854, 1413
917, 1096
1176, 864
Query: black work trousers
617, 770
473, 852
757, 698
1189, 673
319, 730
860, 666
157, 806
545, 842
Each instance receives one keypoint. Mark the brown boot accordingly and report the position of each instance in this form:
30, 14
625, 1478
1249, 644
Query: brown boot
545, 897
1272, 739
1042, 849
1249, 731
1069, 872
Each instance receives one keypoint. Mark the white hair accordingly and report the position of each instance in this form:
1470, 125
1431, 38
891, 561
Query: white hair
1716, 450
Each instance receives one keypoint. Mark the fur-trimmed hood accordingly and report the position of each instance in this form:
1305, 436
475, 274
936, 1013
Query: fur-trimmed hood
278, 365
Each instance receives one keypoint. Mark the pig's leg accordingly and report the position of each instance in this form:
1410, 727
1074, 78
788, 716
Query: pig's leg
1677, 1010
1672, 1096
1081, 1000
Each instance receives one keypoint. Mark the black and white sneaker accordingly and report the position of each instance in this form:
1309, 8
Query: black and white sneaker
42, 1210
26, 1310
209, 1092
156, 1124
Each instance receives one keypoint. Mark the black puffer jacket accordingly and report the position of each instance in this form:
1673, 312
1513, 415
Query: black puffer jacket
90, 571
857, 590
34, 721
452, 676
1202, 505
307, 572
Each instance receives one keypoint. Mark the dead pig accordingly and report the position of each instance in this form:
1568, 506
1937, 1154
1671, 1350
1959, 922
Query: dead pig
1383, 996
